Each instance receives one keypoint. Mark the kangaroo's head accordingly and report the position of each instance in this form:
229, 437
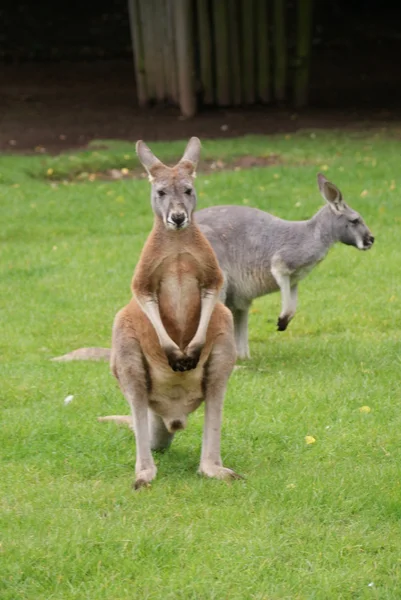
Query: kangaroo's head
350, 228
173, 194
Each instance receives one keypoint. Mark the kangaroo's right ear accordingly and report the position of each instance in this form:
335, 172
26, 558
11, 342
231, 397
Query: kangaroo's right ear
147, 158
330, 193
192, 154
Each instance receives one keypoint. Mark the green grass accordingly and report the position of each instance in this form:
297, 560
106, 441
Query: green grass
320, 521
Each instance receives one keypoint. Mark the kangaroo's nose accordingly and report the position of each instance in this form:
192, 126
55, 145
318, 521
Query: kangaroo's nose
371, 239
178, 218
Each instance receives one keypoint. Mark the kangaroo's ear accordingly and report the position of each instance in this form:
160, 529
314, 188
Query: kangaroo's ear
330, 193
192, 153
147, 158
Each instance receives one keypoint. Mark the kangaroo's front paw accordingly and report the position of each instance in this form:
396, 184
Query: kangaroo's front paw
144, 477
181, 362
193, 352
282, 323
217, 471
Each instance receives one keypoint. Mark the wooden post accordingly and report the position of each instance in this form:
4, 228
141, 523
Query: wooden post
248, 53
185, 57
235, 50
148, 47
205, 51
137, 46
304, 43
158, 42
280, 50
169, 54
222, 57
263, 52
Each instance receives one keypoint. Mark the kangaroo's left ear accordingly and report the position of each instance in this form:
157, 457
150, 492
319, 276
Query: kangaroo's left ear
330, 193
191, 155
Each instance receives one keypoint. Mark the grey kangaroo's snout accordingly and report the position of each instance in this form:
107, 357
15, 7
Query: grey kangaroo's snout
368, 241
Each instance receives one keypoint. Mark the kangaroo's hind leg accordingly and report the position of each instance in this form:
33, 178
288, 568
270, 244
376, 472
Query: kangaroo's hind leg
129, 367
217, 371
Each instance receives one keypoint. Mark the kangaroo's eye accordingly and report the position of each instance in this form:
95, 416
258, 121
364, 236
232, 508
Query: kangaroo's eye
355, 221
188, 191
161, 193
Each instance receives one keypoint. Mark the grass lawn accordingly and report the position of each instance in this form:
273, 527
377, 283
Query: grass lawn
309, 521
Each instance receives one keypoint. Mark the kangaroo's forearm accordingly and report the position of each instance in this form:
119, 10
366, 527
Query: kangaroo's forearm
151, 309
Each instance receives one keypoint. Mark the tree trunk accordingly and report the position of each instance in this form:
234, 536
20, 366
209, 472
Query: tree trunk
280, 58
185, 61
137, 45
304, 43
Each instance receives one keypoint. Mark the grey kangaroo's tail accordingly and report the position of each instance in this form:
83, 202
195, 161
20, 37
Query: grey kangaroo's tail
85, 354
119, 419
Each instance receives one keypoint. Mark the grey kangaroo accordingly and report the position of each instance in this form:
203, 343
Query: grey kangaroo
260, 254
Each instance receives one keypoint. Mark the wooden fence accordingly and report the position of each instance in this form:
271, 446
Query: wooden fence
221, 52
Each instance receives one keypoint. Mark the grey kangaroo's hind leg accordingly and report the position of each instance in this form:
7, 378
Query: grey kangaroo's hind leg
217, 372
160, 437
130, 370
241, 332
289, 296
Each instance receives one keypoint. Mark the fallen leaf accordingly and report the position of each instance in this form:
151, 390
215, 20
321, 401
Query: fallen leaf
309, 439
365, 409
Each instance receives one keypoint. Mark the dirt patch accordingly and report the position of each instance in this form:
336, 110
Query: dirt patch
53, 108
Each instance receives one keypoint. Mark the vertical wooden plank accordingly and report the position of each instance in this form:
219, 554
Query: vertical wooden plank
146, 26
304, 44
158, 40
170, 60
248, 53
222, 58
137, 46
263, 51
185, 56
235, 50
205, 50
280, 50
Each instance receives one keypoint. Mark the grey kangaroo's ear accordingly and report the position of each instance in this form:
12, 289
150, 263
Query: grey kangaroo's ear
330, 193
146, 156
192, 153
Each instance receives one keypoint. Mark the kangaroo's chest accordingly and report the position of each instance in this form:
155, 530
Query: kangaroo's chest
179, 297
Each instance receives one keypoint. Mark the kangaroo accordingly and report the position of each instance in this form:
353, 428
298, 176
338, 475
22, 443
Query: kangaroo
260, 254
173, 344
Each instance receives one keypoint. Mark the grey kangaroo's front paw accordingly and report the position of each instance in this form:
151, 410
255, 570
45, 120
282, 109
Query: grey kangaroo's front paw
282, 323
181, 362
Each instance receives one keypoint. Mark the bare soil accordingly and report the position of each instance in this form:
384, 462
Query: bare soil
54, 107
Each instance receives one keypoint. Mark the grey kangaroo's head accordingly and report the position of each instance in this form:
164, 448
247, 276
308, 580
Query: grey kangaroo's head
173, 194
350, 228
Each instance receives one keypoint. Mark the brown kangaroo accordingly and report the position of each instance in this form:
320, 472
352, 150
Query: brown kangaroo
173, 344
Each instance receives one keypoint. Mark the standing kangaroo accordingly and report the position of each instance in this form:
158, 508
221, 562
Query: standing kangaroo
260, 254
173, 344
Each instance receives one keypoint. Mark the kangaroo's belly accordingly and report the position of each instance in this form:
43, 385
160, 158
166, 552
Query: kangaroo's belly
174, 396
